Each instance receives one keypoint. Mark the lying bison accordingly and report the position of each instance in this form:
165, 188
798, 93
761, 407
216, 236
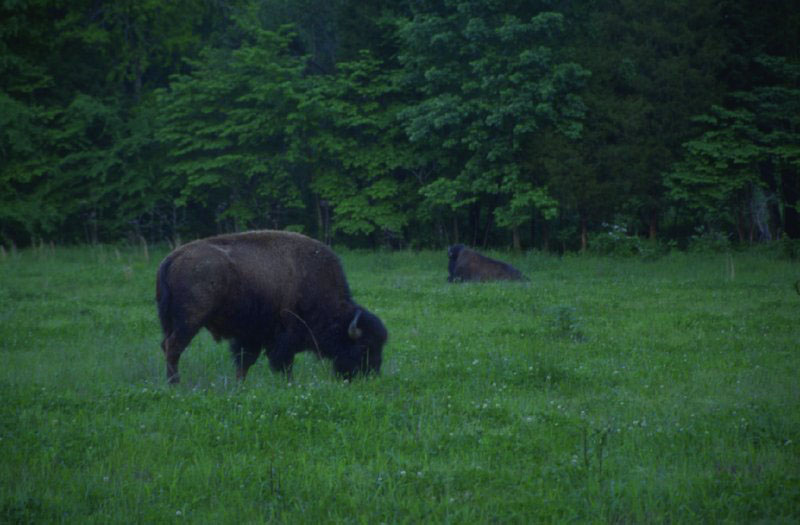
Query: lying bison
469, 265
279, 291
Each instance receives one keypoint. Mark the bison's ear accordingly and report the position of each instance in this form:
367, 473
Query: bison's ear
353, 330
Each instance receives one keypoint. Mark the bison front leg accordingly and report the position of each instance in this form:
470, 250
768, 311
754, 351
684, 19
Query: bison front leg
281, 360
281, 356
244, 355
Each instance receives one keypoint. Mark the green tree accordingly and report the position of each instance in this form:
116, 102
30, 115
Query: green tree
654, 65
24, 120
78, 155
225, 128
747, 150
360, 162
487, 82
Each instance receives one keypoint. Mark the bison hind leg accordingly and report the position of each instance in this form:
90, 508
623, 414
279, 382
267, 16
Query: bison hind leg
173, 346
245, 354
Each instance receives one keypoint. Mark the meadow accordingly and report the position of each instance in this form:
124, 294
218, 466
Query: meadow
603, 390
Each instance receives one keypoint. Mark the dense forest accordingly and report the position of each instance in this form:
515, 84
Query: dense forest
543, 124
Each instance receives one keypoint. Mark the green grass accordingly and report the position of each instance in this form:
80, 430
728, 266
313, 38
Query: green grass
604, 390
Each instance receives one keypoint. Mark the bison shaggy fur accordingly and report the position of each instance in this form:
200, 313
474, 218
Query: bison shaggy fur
265, 290
468, 265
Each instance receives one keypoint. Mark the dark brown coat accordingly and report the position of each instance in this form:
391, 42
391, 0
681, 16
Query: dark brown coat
273, 290
468, 265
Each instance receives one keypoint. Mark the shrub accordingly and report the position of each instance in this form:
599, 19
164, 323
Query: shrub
615, 242
709, 241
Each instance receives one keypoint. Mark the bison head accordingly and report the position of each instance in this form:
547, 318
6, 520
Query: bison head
362, 348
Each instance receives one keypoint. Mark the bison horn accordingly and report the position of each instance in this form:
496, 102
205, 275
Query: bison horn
353, 330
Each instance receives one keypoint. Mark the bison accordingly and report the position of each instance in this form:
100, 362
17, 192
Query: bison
469, 265
273, 290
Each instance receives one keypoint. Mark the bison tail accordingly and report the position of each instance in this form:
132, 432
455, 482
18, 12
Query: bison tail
164, 297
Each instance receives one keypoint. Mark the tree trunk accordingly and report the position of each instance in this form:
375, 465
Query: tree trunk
488, 229
320, 231
740, 227
137, 84
653, 224
323, 221
545, 237
475, 222
515, 236
790, 187
584, 235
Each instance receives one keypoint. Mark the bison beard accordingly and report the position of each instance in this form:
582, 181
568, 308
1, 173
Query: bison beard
278, 291
469, 265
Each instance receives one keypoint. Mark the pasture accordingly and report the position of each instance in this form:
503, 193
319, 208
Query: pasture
603, 390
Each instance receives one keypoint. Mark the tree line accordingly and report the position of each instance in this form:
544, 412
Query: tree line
544, 124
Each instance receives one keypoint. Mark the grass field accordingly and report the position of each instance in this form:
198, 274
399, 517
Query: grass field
604, 390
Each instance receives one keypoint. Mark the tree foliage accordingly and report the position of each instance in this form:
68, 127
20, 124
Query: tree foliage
487, 84
409, 123
747, 151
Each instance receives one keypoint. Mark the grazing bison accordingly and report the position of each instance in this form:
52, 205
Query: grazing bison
279, 291
469, 265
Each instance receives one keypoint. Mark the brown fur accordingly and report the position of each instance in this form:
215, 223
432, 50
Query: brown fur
468, 265
265, 289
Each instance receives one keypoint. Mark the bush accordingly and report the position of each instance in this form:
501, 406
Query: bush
615, 242
789, 248
709, 241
